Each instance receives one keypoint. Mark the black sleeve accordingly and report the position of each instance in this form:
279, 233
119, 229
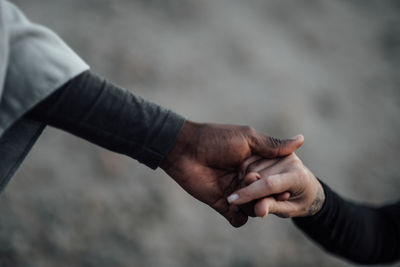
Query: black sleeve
362, 234
114, 118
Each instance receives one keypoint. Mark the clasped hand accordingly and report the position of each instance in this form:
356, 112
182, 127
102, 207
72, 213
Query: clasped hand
240, 172
281, 186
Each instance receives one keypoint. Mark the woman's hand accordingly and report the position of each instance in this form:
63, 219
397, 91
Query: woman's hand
283, 186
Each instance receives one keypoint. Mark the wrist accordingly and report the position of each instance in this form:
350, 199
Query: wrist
182, 146
318, 201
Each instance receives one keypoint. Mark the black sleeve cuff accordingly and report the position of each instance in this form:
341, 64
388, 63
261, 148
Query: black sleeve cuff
154, 153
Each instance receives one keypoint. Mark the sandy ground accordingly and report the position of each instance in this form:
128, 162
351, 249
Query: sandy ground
327, 69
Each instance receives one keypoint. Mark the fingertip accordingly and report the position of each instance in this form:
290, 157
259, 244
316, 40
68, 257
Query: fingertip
289, 146
283, 196
262, 207
261, 214
251, 177
245, 164
232, 198
298, 139
238, 219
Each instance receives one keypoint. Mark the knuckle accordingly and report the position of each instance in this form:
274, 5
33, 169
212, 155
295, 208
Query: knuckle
302, 174
296, 165
274, 142
270, 183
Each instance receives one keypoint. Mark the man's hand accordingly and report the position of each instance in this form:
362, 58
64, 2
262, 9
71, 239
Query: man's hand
284, 187
207, 157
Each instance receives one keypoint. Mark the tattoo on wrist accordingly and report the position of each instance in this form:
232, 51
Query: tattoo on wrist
317, 203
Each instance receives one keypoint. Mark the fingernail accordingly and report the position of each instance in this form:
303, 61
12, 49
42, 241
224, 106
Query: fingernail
295, 137
232, 198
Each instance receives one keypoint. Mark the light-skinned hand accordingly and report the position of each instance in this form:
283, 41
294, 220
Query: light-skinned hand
283, 186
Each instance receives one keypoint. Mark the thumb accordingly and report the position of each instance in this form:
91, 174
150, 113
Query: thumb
270, 147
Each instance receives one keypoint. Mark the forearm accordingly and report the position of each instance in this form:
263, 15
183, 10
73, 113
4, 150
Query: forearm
111, 117
359, 233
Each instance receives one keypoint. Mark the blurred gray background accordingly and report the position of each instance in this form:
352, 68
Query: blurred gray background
326, 69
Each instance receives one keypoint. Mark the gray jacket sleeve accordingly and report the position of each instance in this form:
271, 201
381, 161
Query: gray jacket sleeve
38, 63
34, 62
